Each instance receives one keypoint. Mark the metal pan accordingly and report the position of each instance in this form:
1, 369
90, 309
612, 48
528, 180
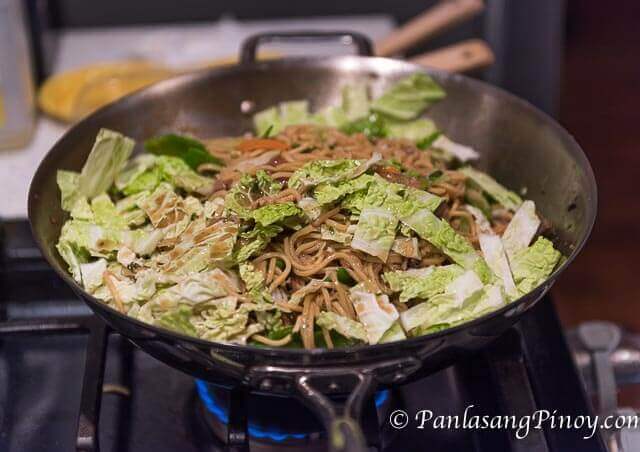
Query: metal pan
519, 145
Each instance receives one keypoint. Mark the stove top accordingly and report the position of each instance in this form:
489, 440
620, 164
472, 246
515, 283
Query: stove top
68, 383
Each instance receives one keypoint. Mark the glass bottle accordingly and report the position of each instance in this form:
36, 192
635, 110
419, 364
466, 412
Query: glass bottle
17, 108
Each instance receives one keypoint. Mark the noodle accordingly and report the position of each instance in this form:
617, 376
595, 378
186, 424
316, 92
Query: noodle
293, 260
308, 265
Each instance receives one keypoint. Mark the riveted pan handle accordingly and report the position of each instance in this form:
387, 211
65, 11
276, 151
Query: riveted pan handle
249, 48
341, 421
319, 388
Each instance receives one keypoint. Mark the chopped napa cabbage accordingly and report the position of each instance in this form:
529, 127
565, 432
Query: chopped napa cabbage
125, 256
493, 250
222, 241
86, 238
294, 112
249, 188
355, 101
135, 217
178, 320
250, 330
354, 202
428, 317
422, 283
440, 234
331, 116
195, 259
375, 232
273, 325
493, 188
475, 197
407, 247
175, 171
463, 287
322, 171
494, 254
131, 202
330, 171
491, 299
343, 325
417, 131
414, 209
459, 151
222, 324
108, 156
464, 299
213, 207
405, 202
312, 286
330, 233
274, 213
129, 292
375, 312
202, 287
193, 206
74, 257
68, 183
414, 202
142, 242
216, 240
274, 119
129, 208
532, 265
166, 211
480, 219
105, 213
330, 193
254, 241
91, 274
265, 184
81, 210
252, 278
394, 333
311, 207
521, 229
408, 98
139, 175
267, 120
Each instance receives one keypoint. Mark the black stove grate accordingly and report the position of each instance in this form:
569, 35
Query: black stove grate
529, 368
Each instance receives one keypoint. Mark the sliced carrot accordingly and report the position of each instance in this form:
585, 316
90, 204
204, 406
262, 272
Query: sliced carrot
253, 144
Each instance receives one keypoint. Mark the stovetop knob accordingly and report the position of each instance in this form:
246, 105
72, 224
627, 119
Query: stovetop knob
600, 339
599, 336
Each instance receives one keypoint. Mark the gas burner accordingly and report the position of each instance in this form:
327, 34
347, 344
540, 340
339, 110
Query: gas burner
273, 423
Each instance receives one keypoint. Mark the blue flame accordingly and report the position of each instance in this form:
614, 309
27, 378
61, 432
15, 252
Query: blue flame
221, 413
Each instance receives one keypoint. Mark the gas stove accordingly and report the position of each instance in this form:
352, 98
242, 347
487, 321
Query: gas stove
70, 383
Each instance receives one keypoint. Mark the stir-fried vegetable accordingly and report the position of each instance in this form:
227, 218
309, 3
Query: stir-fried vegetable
352, 224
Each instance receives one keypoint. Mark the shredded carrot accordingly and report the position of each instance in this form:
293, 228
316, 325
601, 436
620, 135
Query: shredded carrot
254, 144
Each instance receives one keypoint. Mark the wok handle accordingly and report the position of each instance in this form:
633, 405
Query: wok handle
341, 421
249, 48
461, 57
440, 17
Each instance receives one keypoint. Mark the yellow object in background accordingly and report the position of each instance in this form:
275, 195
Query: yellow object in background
71, 95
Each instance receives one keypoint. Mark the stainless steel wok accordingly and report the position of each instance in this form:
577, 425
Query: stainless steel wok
519, 145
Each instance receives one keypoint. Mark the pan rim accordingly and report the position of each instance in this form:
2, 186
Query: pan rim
374, 63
